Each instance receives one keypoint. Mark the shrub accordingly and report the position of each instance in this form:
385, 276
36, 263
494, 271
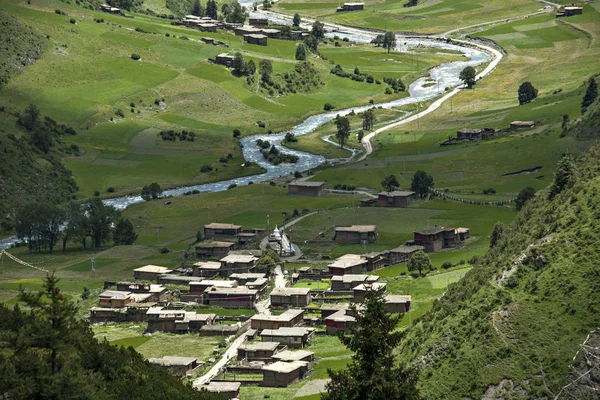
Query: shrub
120, 113
96, 193
72, 20
388, 90
370, 79
272, 183
164, 250
328, 107
110, 190
474, 260
447, 265
233, 185
135, 57
206, 168
297, 175
237, 133
489, 191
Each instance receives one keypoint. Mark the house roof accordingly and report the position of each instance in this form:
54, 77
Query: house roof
395, 298
286, 316
227, 55
170, 361
356, 228
153, 268
218, 225
181, 278
523, 123
348, 261
398, 193
256, 35
287, 331
257, 282
285, 367
247, 275
288, 291
404, 249
305, 183
270, 30
216, 386
208, 265
258, 346
115, 295
349, 278
238, 258
341, 316
215, 283
288, 355
370, 286
462, 230
431, 230
212, 245
232, 290
192, 316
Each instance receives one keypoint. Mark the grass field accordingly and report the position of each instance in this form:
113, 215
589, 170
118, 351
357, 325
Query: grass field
123, 152
396, 225
429, 16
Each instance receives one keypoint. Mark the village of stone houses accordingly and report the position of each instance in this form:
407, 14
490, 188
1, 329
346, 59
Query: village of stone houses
289, 307
299, 199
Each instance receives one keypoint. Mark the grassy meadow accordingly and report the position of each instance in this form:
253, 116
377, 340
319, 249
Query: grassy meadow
111, 100
429, 16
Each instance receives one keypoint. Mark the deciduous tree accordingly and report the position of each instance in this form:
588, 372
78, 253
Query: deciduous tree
124, 233
389, 41
419, 261
527, 93
318, 30
343, 129
467, 75
100, 219
421, 182
390, 183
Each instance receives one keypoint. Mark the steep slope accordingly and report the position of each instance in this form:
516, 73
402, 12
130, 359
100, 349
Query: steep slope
511, 327
21, 46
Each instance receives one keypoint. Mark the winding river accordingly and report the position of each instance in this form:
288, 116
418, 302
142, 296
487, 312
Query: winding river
423, 89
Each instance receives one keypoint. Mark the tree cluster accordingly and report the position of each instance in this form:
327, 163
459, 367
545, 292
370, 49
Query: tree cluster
43, 225
48, 352
43, 132
369, 120
390, 183
151, 192
276, 157
173, 136
268, 261
356, 76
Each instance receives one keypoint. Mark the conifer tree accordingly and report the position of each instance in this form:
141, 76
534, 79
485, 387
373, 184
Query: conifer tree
373, 372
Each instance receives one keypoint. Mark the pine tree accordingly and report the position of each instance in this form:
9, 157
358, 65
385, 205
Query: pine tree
590, 95
373, 372
301, 52
563, 176
211, 9
496, 234
197, 9
297, 20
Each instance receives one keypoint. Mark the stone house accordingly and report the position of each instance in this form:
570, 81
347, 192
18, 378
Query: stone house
398, 198
355, 234
283, 374
290, 297
306, 188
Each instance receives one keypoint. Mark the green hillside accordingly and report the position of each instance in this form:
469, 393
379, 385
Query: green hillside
511, 327
21, 46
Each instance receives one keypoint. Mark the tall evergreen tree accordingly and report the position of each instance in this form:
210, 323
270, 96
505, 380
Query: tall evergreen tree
297, 20
318, 30
590, 95
496, 234
211, 9
301, 52
197, 9
237, 13
373, 372
563, 176
100, 218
